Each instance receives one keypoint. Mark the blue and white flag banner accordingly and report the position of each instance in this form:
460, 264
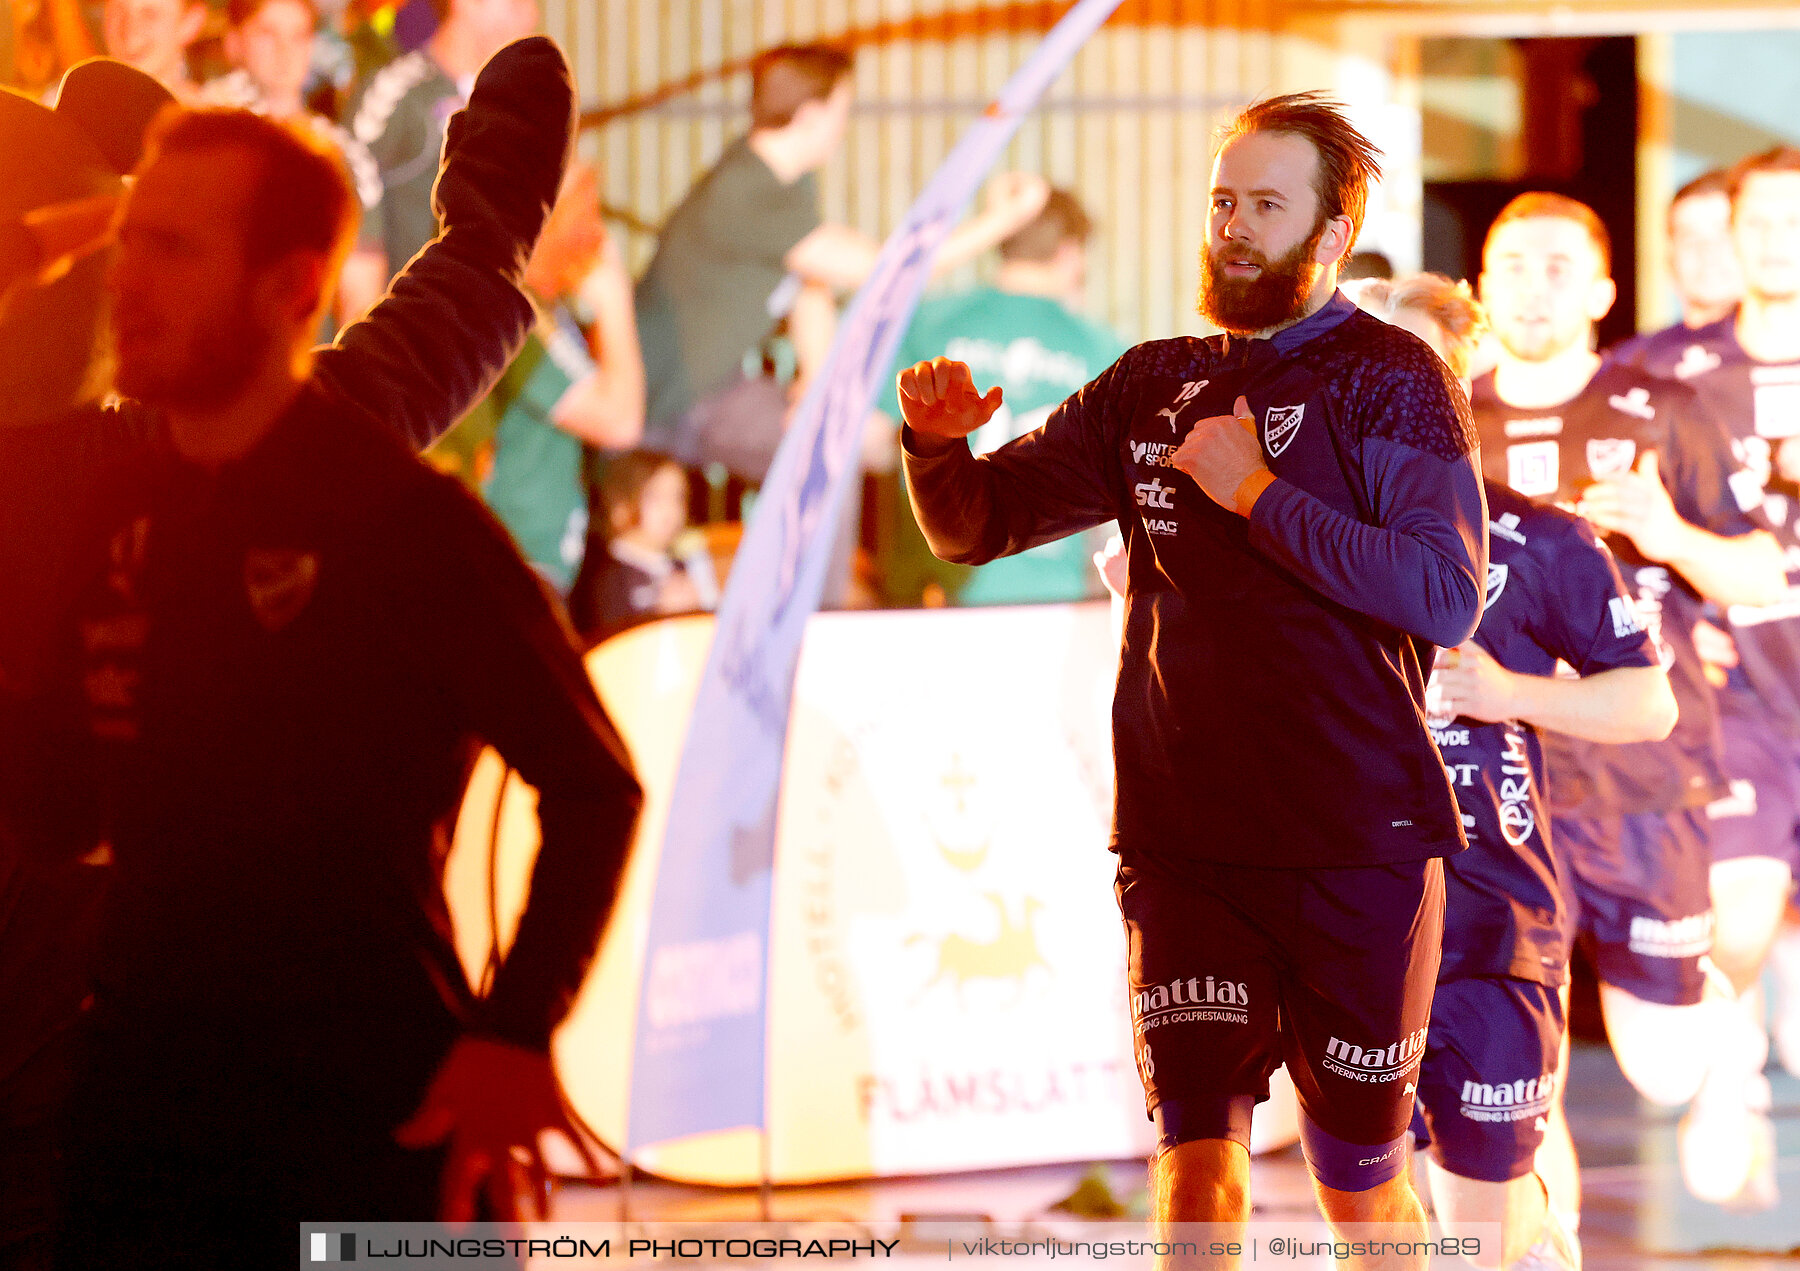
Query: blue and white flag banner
698, 1059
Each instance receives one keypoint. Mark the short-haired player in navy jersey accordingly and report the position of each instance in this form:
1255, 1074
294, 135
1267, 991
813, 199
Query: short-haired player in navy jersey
1497, 1023
1746, 370
1703, 267
1642, 461
1302, 513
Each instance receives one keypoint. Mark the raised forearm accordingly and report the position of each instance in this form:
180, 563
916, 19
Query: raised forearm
1632, 703
1746, 570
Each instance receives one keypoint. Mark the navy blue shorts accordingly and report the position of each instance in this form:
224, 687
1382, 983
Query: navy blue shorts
1761, 815
1236, 970
1643, 899
1489, 1076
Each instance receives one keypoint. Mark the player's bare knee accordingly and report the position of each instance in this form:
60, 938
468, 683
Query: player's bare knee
1201, 1180
1749, 897
1664, 1051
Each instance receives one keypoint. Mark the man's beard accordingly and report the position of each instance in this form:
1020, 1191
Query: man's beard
1540, 344
222, 358
1276, 296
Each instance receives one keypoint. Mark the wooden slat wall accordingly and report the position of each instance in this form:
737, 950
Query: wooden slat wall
1128, 127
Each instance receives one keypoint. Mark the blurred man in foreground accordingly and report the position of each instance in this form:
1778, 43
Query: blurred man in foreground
267, 693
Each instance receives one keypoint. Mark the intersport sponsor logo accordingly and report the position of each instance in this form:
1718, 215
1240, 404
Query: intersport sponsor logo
1376, 1063
1152, 454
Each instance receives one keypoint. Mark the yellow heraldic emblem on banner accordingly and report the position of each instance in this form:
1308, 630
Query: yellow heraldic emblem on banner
280, 584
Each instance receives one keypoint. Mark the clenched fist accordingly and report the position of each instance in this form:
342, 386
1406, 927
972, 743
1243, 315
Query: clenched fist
1467, 681
938, 399
1224, 458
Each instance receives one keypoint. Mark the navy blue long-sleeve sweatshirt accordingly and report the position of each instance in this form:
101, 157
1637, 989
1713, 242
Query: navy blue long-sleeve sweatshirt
301, 662
1269, 708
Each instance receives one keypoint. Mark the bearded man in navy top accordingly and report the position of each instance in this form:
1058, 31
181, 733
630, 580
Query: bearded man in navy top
1303, 515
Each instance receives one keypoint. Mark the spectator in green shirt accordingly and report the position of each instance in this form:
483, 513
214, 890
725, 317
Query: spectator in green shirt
1024, 334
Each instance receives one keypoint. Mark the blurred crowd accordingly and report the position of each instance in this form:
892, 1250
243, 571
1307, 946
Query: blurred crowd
624, 447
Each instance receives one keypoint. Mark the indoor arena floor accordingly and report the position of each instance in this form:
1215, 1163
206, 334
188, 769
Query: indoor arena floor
1636, 1217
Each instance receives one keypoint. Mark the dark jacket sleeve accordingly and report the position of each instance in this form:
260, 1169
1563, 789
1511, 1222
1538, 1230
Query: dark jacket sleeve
1059, 480
476, 619
455, 316
1421, 567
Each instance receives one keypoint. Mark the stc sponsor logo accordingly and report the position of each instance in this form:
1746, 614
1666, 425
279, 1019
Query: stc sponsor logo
1154, 494
1687, 937
1523, 1100
1152, 454
1379, 1063
1517, 820
1172, 412
1190, 1001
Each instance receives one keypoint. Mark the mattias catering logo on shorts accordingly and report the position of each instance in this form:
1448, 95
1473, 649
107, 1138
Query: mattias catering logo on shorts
1281, 424
1191, 1001
1378, 1063
1522, 1100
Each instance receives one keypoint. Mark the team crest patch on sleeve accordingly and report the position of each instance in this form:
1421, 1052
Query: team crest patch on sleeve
1610, 456
1281, 424
279, 584
1496, 583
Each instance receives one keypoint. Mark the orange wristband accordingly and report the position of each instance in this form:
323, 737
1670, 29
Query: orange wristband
1251, 490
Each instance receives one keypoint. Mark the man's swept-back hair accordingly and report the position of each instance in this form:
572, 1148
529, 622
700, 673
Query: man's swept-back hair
1536, 205
1449, 304
784, 79
1712, 181
1062, 219
1348, 162
300, 198
1774, 159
